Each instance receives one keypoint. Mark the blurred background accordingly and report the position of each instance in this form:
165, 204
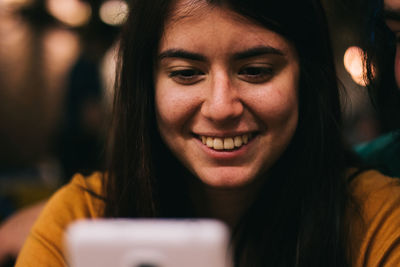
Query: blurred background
56, 73
57, 60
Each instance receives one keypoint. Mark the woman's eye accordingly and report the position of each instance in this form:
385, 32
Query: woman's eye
186, 76
255, 74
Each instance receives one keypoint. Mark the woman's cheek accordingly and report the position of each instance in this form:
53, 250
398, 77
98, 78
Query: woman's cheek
280, 104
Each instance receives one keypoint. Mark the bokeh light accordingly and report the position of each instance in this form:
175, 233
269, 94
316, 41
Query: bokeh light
114, 12
61, 48
354, 63
73, 13
14, 3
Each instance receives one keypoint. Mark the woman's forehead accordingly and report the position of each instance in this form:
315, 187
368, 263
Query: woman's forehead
186, 9
192, 21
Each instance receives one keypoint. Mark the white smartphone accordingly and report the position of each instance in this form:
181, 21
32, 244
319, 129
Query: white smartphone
148, 243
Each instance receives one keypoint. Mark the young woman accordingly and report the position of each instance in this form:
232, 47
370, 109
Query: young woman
230, 110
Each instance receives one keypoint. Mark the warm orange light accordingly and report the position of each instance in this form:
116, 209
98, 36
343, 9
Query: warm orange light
354, 63
114, 12
71, 12
61, 48
14, 4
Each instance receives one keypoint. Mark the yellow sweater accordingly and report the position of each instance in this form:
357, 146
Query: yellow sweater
375, 240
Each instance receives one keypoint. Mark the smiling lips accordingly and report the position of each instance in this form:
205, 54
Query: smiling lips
225, 143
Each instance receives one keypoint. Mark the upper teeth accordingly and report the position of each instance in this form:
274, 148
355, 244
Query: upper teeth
219, 143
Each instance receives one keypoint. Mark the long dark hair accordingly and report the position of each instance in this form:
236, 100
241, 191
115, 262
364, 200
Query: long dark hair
298, 217
380, 49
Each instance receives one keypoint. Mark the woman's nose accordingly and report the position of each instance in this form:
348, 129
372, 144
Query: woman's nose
222, 103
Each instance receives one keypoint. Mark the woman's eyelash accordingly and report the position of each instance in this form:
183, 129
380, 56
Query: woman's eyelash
186, 76
185, 73
254, 71
251, 74
256, 74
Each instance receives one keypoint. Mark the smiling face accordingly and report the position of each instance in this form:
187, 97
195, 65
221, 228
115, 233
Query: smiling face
392, 18
226, 95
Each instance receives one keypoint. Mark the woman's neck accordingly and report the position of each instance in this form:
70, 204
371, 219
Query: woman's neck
224, 204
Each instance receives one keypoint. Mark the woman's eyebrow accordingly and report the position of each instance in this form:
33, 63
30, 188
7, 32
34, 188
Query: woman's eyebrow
248, 53
180, 53
257, 51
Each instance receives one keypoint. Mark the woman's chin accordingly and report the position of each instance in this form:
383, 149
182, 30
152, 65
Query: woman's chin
226, 178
